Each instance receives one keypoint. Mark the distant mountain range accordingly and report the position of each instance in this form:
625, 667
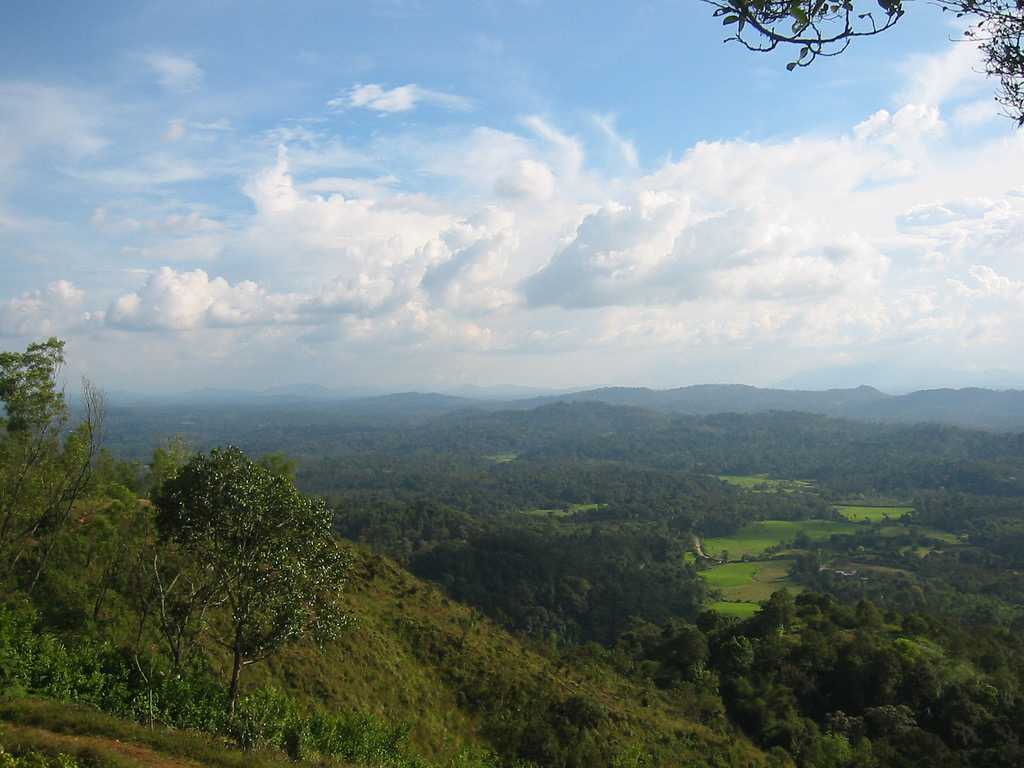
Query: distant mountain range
1001, 410
979, 408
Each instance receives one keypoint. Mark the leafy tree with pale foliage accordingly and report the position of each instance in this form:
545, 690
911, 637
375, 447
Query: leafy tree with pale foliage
44, 468
267, 551
828, 27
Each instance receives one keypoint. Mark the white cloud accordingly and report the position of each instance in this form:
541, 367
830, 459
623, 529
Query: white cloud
400, 99
658, 251
987, 283
933, 79
975, 113
910, 123
468, 274
932, 214
179, 74
42, 313
569, 150
624, 147
523, 252
526, 179
186, 301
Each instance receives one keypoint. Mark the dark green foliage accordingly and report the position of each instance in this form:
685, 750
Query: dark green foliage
38, 663
570, 523
31, 758
265, 550
581, 584
44, 468
836, 685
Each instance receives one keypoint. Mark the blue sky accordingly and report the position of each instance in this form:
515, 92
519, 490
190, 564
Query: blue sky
402, 194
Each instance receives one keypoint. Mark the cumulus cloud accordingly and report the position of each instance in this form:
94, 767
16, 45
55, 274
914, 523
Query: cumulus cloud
985, 282
659, 251
468, 275
910, 123
530, 179
186, 301
479, 246
45, 312
933, 214
403, 98
968, 229
179, 74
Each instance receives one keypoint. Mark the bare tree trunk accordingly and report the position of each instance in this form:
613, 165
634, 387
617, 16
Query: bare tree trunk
236, 672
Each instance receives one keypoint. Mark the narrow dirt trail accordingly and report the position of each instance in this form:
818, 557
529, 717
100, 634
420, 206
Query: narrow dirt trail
143, 756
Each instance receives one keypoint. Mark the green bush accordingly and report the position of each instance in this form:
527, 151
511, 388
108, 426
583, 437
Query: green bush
148, 690
35, 759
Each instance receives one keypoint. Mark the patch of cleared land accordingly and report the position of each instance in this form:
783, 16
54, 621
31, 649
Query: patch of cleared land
755, 538
765, 483
872, 514
751, 582
739, 610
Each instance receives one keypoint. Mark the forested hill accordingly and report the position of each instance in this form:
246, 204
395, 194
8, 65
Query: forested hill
473, 444
996, 410
609, 585
979, 408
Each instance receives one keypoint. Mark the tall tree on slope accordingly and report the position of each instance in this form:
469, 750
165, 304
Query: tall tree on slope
268, 552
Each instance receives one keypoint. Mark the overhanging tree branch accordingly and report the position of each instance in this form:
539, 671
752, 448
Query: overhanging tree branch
828, 27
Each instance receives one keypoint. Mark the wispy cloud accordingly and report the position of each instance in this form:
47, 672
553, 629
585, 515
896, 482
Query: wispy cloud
176, 73
400, 99
624, 147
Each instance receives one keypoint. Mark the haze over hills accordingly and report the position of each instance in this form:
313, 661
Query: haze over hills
973, 407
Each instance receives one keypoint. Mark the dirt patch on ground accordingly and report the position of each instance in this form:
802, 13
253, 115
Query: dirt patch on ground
60, 742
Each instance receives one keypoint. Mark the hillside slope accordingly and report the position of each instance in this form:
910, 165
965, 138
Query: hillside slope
456, 679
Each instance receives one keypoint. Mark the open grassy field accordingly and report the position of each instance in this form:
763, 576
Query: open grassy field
873, 514
740, 610
755, 538
751, 582
766, 483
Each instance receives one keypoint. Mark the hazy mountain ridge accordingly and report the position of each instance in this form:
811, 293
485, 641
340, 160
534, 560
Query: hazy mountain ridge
969, 407
973, 408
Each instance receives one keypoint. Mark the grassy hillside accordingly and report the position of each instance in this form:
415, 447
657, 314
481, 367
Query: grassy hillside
457, 679
44, 733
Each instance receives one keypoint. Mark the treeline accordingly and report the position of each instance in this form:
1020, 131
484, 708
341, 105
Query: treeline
841, 456
848, 685
561, 573
486, 489
574, 585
